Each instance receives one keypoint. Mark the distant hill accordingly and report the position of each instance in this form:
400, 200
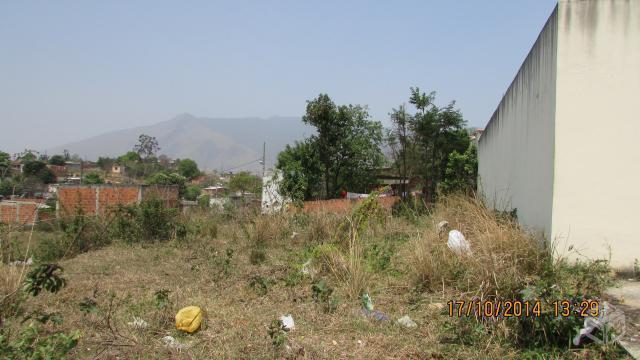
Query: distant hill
212, 143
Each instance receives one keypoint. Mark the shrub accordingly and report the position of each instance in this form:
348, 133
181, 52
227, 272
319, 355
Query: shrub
147, 221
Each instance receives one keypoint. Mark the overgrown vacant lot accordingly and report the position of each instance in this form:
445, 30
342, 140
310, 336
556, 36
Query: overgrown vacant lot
246, 270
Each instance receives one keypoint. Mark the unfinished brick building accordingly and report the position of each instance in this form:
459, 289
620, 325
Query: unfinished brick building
97, 199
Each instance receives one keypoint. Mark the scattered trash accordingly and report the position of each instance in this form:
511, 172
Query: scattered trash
442, 226
375, 314
306, 268
334, 342
29, 261
607, 316
436, 306
189, 319
294, 235
366, 302
172, 343
368, 311
406, 321
360, 343
457, 243
287, 322
138, 323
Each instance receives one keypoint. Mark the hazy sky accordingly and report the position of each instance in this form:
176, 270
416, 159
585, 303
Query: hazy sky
72, 69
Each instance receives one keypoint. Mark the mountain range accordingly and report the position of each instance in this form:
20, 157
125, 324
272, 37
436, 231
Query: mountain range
218, 143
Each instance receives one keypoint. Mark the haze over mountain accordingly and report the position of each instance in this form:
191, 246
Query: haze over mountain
212, 143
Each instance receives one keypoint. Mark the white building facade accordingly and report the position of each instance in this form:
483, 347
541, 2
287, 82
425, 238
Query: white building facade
561, 146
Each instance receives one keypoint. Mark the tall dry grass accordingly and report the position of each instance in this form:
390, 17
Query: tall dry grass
504, 258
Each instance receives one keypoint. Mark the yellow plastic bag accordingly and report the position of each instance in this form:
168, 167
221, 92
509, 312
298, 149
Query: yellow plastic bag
189, 319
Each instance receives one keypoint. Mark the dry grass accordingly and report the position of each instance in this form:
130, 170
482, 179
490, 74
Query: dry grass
215, 273
503, 256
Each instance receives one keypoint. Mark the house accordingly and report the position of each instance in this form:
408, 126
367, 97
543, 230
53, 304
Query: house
214, 191
561, 147
17, 166
74, 167
60, 171
117, 169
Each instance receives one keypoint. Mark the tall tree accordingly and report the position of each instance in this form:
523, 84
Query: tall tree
5, 164
188, 168
302, 171
347, 143
147, 146
401, 142
438, 131
57, 160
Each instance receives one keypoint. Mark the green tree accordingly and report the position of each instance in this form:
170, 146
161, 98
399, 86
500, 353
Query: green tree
461, 172
191, 193
301, 171
105, 163
5, 164
347, 142
162, 178
244, 181
147, 146
188, 168
10, 187
438, 132
93, 178
57, 160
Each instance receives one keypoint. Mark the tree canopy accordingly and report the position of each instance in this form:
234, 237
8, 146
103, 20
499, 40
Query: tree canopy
342, 156
188, 168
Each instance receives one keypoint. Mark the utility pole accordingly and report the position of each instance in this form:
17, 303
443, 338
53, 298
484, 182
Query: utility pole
264, 146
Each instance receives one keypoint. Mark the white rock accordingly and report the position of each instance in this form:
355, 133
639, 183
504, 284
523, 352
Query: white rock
172, 343
407, 322
138, 323
287, 322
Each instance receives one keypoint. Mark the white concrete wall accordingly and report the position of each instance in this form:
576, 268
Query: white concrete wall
597, 169
516, 149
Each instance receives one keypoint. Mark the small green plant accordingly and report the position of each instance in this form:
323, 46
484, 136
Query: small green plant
277, 333
257, 256
161, 298
43, 317
45, 277
32, 343
88, 306
260, 284
322, 294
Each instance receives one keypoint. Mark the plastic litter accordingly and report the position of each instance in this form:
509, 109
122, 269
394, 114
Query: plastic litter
294, 235
457, 243
189, 319
367, 303
306, 268
406, 321
607, 316
442, 226
287, 322
172, 343
375, 314
138, 323
29, 261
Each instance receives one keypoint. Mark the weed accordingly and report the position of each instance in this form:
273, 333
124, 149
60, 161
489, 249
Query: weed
88, 306
277, 333
323, 294
161, 298
260, 284
32, 343
44, 277
636, 269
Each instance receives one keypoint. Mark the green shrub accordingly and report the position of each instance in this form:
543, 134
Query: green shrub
147, 221
33, 343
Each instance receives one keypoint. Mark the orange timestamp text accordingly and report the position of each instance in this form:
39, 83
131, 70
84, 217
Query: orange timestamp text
519, 308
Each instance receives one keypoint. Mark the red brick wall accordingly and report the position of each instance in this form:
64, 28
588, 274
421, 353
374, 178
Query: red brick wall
17, 212
343, 206
108, 196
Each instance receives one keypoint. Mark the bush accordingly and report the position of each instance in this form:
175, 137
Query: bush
147, 221
506, 264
